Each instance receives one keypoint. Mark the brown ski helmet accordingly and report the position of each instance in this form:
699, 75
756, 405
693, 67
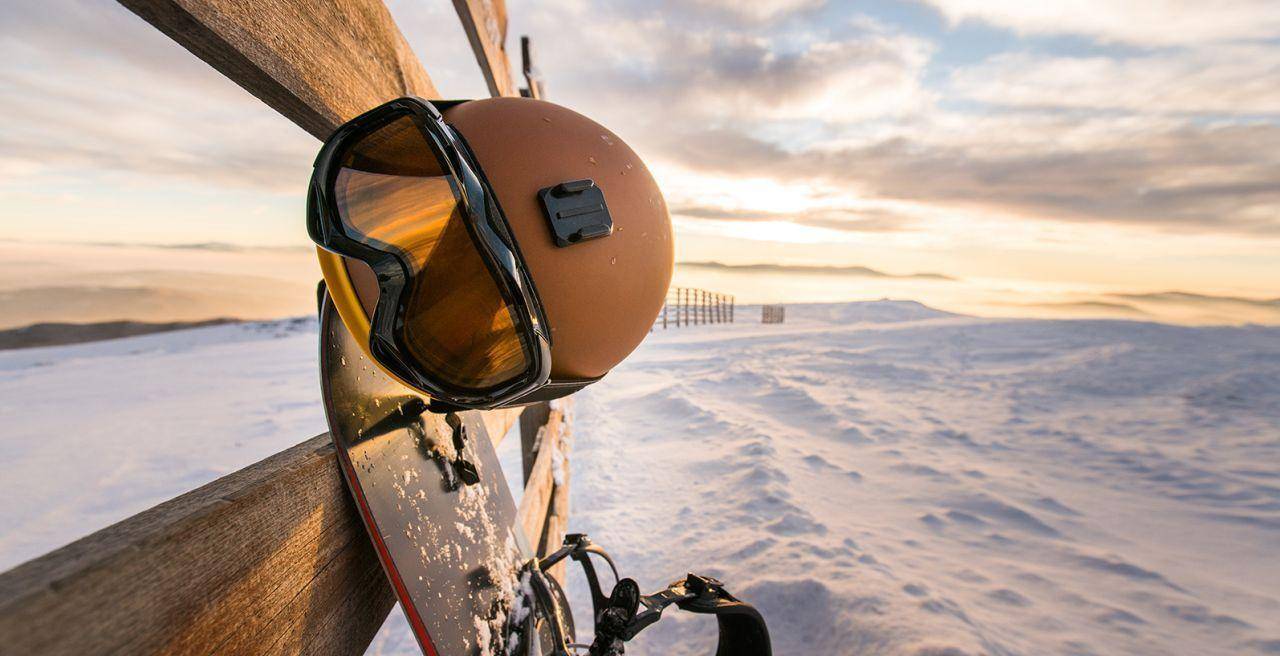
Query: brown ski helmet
601, 295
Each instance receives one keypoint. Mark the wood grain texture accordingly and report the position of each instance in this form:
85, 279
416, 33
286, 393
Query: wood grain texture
532, 512
485, 22
317, 62
558, 509
499, 422
532, 420
544, 507
227, 568
272, 559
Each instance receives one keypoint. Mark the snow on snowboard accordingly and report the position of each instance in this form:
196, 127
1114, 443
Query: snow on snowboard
432, 495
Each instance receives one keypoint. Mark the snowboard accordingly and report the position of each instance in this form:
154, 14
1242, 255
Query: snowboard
433, 498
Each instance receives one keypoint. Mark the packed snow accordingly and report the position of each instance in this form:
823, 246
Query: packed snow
878, 478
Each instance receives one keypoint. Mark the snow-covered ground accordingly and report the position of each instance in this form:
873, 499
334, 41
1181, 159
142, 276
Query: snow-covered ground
93, 433
879, 478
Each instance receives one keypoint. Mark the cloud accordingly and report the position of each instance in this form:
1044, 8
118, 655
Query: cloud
799, 92
104, 92
844, 103
756, 11
843, 219
1191, 307
770, 268
433, 31
1178, 176
1193, 298
1141, 22
639, 65
740, 76
101, 92
1086, 308
1218, 80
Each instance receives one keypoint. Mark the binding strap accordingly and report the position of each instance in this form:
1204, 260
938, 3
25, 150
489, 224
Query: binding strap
742, 628
625, 612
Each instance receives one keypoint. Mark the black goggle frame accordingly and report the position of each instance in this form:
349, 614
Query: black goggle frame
489, 233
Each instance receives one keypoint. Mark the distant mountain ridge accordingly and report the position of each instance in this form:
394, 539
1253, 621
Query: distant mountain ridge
1191, 297
57, 334
853, 270
213, 246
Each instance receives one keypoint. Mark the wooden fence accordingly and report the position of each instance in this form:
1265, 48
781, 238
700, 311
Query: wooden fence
773, 313
688, 306
272, 559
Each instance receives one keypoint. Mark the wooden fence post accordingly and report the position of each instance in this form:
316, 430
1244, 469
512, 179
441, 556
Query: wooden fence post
317, 64
693, 306
544, 507
485, 23
532, 420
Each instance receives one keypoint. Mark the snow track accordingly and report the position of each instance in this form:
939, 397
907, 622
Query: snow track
882, 478
878, 478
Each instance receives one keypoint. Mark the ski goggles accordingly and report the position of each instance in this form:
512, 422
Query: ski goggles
420, 261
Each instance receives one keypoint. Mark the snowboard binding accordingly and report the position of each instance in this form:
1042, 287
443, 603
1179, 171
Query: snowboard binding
625, 612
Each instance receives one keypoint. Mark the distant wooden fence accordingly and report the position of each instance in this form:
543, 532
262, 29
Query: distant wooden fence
272, 559
688, 306
773, 313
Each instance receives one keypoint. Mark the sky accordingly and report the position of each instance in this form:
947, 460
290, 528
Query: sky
1037, 154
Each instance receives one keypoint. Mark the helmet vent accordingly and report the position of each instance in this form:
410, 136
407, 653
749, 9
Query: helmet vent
576, 212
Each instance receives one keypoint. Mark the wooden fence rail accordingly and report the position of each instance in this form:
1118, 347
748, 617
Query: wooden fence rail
544, 506
272, 559
689, 306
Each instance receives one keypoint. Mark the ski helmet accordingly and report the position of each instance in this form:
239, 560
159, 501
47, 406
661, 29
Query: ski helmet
490, 252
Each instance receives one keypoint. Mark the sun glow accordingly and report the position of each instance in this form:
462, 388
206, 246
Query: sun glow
684, 187
766, 231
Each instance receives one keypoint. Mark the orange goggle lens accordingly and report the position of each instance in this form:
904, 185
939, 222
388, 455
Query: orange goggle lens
394, 195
